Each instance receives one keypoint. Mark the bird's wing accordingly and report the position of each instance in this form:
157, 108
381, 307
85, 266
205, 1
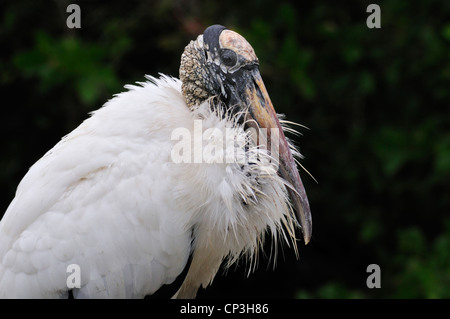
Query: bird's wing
101, 199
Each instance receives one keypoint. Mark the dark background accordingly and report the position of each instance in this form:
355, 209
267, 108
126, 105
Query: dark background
376, 102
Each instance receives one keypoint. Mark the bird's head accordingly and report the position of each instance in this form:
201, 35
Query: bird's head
221, 64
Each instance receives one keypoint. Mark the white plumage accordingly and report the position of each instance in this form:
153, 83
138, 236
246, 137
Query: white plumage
102, 199
109, 198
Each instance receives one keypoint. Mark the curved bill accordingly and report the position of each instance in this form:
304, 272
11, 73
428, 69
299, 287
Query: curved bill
263, 113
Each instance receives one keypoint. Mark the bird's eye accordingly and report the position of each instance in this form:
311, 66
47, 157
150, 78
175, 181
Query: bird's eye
228, 57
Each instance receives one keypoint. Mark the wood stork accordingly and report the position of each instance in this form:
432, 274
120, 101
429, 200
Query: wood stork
111, 199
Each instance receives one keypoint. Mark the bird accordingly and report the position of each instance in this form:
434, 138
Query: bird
170, 176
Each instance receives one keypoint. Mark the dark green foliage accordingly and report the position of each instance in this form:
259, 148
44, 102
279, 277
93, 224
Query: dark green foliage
376, 102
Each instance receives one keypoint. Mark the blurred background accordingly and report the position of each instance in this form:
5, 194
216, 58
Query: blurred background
376, 102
